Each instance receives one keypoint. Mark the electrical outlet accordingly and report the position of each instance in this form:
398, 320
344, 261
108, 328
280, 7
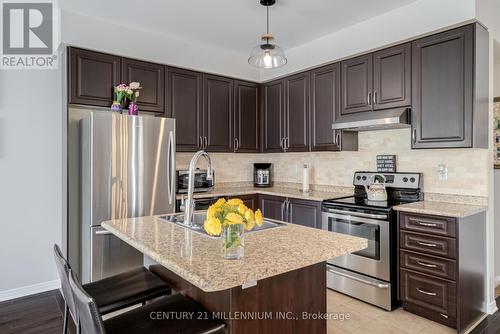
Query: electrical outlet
442, 172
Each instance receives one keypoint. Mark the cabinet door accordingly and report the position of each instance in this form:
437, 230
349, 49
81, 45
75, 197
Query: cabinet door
325, 107
92, 76
392, 77
218, 113
184, 95
273, 116
250, 201
152, 79
442, 89
303, 212
246, 116
297, 112
357, 84
272, 207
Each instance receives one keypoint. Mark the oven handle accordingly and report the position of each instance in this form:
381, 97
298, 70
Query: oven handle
355, 219
356, 214
377, 285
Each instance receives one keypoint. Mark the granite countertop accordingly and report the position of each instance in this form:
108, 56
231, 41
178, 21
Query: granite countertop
456, 210
196, 257
314, 195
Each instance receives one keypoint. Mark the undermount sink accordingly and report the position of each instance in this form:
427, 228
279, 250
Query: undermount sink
199, 219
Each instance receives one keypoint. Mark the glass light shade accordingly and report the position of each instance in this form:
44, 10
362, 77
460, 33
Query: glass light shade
267, 56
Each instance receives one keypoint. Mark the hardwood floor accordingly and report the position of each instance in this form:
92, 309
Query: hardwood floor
490, 325
40, 313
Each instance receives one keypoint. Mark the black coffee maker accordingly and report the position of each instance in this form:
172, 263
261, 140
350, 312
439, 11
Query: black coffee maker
262, 174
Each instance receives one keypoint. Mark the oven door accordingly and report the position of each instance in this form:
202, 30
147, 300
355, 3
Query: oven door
373, 260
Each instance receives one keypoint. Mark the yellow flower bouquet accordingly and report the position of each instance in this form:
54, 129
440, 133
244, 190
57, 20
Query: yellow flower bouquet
229, 219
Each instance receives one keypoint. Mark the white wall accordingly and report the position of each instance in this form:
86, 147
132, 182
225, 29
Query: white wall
30, 177
99, 35
403, 23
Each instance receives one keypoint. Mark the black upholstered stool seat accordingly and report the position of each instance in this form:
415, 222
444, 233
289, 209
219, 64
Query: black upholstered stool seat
156, 317
129, 288
174, 314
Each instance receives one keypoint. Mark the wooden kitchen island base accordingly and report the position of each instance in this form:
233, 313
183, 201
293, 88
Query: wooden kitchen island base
293, 302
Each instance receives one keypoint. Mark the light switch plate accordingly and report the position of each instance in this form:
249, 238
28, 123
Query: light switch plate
442, 172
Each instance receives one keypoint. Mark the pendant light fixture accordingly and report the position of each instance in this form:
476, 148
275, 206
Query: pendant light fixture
267, 54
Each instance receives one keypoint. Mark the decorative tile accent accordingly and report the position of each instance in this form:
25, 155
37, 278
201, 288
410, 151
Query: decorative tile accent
467, 168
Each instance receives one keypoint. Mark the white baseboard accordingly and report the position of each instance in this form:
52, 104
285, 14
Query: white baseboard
29, 290
491, 307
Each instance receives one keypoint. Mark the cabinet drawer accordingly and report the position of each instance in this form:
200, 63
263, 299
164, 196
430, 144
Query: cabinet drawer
445, 226
428, 264
428, 244
430, 293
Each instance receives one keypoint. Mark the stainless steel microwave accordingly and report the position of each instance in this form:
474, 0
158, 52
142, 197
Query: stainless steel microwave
201, 184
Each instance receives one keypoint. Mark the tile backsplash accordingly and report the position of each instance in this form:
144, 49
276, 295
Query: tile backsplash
467, 168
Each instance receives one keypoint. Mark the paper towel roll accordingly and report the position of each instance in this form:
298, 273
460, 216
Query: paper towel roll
305, 178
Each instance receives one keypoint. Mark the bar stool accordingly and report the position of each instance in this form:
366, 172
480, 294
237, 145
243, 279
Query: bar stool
113, 293
150, 318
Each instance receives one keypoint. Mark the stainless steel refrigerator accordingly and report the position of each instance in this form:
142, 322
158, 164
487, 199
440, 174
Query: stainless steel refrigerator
127, 170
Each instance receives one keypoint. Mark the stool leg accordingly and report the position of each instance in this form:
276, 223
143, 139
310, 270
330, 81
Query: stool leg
65, 320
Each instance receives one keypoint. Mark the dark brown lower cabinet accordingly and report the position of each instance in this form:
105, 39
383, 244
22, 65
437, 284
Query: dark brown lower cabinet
442, 267
304, 212
251, 201
272, 207
291, 210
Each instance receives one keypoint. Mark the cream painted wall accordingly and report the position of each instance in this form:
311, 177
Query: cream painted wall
467, 168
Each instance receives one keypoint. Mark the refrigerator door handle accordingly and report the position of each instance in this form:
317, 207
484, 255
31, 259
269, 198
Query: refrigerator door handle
171, 162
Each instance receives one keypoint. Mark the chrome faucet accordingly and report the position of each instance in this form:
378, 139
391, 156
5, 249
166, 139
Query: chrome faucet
189, 203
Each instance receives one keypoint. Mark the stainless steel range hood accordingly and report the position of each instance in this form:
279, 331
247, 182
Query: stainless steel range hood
374, 120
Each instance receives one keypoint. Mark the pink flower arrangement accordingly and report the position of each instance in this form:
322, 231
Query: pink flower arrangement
124, 93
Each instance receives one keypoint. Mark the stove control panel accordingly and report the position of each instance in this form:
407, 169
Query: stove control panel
393, 180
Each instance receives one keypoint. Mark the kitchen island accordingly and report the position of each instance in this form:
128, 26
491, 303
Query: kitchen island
279, 285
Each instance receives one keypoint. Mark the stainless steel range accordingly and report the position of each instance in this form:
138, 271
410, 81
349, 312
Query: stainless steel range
369, 274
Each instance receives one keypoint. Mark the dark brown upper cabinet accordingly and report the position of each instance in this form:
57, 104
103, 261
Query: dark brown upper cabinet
379, 80
392, 77
297, 112
246, 117
92, 77
325, 108
450, 86
357, 84
217, 113
273, 115
152, 79
184, 103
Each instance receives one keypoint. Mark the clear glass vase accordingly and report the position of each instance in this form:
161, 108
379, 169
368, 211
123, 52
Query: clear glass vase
233, 242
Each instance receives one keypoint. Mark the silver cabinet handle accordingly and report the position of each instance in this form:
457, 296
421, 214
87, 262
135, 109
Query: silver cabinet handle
237, 144
281, 142
443, 315
414, 135
369, 98
374, 97
426, 264
426, 224
283, 211
337, 139
426, 244
201, 143
426, 292
103, 232
287, 210
171, 161
287, 143
206, 142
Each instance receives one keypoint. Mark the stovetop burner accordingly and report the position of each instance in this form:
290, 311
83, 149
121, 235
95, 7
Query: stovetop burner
401, 188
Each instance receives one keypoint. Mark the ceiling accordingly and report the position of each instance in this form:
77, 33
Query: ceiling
235, 24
